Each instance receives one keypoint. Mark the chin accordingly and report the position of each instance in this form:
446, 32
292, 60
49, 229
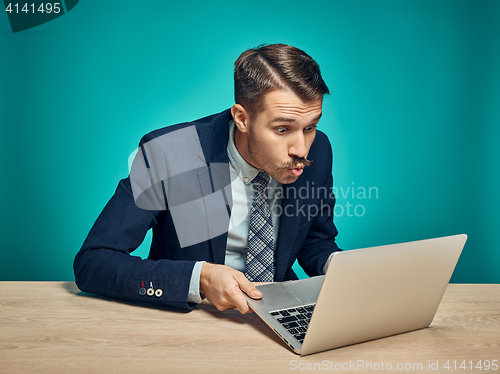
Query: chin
284, 179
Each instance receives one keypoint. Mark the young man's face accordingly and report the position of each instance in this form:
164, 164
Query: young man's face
278, 139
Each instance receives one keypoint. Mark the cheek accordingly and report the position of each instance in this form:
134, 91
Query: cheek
271, 145
310, 140
272, 148
279, 150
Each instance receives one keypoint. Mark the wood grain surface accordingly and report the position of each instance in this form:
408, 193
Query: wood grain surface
52, 327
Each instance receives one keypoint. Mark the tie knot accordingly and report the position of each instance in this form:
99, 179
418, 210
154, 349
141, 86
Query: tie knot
261, 181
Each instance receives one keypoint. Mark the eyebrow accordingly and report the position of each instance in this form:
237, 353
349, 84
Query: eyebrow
283, 119
290, 120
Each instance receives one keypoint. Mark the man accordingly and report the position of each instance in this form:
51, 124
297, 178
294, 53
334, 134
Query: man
231, 198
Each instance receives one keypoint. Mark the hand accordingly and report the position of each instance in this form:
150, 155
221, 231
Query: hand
223, 287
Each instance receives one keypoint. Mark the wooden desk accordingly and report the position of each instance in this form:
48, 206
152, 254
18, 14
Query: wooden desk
51, 327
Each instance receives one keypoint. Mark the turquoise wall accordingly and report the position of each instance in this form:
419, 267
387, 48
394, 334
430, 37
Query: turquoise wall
413, 114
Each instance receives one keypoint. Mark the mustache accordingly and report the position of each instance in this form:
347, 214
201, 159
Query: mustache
296, 161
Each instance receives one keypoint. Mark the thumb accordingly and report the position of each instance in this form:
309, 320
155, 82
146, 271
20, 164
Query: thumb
247, 287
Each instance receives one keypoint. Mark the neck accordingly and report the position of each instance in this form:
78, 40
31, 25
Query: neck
241, 142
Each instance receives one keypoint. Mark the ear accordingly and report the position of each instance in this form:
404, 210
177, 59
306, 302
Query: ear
241, 117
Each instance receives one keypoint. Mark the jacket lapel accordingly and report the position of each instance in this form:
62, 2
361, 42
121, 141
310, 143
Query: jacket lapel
216, 179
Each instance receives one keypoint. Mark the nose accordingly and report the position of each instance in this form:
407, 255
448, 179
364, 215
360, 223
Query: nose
298, 147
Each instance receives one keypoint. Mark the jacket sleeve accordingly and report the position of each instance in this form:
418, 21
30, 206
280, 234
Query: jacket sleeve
105, 266
320, 241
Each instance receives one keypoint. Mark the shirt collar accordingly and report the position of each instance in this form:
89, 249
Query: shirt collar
245, 171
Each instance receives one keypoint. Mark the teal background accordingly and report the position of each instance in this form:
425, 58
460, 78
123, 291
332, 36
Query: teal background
414, 112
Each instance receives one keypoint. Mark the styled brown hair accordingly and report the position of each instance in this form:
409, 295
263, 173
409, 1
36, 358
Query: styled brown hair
276, 66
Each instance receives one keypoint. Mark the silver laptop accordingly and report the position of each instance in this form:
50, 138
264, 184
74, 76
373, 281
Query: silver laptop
366, 294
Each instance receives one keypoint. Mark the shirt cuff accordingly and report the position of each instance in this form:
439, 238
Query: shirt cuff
194, 286
327, 263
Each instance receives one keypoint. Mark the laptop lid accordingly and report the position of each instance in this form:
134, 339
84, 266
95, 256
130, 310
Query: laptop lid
376, 292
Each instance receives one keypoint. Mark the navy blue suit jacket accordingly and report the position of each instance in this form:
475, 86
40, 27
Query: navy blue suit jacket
104, 264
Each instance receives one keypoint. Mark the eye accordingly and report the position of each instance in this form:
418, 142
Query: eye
310, 128
281, 130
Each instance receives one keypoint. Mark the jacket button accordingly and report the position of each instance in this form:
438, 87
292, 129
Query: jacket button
158, 292
142, 291
151, 292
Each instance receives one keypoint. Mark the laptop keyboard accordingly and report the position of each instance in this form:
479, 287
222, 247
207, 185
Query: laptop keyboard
295, 320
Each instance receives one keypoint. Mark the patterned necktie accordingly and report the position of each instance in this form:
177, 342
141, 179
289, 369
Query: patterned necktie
260, 253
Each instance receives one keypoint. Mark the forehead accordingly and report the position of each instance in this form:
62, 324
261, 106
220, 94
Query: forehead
286, 104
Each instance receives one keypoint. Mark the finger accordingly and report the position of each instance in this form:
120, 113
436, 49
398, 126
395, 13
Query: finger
247, 287
241, 303
248, 311
220, 305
